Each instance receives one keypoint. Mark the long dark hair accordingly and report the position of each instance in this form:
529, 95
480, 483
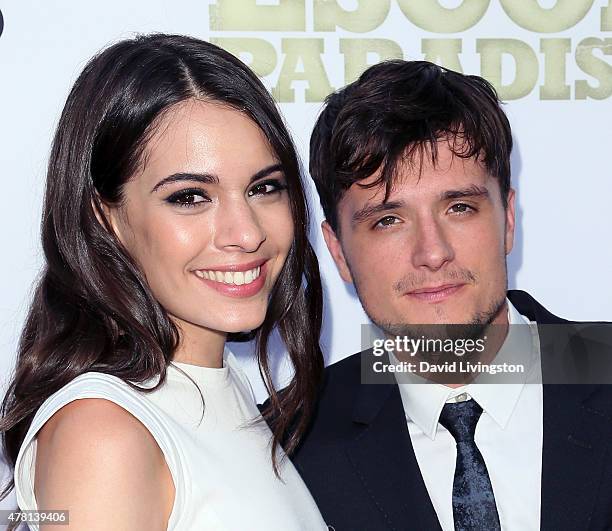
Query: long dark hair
92, 309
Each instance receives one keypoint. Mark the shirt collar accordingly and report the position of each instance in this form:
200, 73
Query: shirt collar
423, 402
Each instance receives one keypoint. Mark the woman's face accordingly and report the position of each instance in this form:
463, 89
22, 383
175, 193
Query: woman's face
207, 218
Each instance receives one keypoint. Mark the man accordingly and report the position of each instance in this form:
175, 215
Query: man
412, 165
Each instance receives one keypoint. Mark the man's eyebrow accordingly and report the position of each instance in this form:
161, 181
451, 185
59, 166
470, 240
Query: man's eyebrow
370, 210
210, 178
470, 191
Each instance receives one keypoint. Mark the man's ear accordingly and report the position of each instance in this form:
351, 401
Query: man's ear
510, 219
335, 249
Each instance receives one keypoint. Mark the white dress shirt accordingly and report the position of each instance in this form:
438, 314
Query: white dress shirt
509, 433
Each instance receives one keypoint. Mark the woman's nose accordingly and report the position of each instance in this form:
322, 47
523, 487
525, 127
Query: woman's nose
238, 226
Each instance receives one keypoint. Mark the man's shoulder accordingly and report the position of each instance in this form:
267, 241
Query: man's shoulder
346, 369
529, 307
341, 381
340, 392
571, 352
346, 376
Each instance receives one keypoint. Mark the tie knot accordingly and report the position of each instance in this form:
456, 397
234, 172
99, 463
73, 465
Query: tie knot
460, 419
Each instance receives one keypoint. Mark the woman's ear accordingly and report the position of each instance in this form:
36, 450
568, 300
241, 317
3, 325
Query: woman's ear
106, 215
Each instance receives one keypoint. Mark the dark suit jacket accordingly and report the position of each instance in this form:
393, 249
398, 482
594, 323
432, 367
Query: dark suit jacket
358, 461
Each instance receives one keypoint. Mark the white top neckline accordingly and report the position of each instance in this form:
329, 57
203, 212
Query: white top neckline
206, 375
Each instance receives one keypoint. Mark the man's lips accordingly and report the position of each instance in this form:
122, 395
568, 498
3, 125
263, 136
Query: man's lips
435, 293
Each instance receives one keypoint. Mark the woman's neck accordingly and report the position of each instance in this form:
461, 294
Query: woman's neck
199, 346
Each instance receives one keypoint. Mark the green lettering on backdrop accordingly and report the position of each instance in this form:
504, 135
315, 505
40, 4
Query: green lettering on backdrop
262, 53
368, 15
529, 15
443, 52
526, 76
431, 16
554, 87
606, 17
308, 53
357, 52
596, 67
246, 15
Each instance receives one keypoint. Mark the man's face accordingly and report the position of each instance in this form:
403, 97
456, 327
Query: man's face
435, 252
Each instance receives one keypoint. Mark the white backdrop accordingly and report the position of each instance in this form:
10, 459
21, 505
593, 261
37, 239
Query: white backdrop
551, 60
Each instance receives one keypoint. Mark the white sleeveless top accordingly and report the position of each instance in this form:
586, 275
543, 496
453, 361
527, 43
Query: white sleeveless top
221, 466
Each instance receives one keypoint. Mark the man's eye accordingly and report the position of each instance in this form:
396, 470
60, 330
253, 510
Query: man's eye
267, 187
387, 221
188, 198
461, 208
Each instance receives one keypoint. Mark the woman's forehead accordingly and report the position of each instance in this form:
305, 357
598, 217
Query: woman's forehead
198, 136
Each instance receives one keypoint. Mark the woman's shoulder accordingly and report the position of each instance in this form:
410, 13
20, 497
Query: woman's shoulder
133, 397
98, 459
102, 382
95, 433
93, 420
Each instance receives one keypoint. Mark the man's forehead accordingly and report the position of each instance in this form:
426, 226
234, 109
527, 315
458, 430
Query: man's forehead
431, 185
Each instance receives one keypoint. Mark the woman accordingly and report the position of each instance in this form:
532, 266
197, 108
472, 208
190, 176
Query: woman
174, 219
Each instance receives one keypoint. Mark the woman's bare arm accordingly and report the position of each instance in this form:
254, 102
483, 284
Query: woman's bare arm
100, 463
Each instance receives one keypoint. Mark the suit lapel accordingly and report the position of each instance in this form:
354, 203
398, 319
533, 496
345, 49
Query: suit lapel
574, 448
384, 460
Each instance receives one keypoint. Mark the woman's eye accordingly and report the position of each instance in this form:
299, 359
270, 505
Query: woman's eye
387, 221
461, 208
267, 187
188, 198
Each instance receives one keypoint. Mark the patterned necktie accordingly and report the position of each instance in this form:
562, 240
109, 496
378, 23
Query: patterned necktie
473, 501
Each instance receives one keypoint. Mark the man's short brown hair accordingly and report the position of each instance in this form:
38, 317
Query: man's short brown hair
396, 112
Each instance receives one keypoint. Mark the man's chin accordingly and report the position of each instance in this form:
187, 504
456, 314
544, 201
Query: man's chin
445, 323
436, 331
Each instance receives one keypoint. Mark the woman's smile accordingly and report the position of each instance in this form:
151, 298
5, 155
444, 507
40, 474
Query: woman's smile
235, 280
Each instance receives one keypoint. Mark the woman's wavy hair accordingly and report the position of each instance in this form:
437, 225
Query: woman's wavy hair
92, 309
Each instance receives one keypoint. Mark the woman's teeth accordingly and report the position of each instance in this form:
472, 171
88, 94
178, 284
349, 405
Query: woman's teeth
237, 278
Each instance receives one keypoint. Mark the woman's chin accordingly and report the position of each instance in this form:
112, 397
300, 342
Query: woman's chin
243, 326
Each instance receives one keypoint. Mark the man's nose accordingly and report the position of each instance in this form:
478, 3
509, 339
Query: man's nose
432, 248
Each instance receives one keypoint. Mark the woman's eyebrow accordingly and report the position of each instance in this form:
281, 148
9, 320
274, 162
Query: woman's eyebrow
266, 171
210, 178
203, 178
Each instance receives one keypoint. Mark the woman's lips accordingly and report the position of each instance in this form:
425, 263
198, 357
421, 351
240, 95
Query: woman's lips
239, 291
436, 294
